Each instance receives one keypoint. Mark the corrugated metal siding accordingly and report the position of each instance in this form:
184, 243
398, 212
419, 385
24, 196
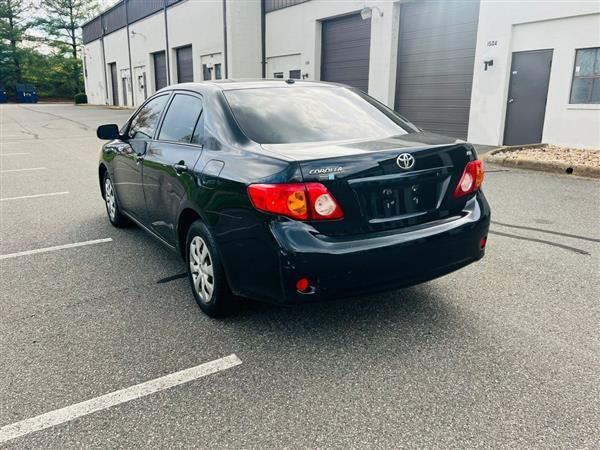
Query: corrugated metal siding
185, 65
274, 5
92, 30
436, 56
138, 9
172, 2
345, 51
114, 19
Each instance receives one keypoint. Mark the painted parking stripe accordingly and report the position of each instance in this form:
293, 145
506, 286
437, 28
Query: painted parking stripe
22, 170
22, 197
14, 154
52, 249
59, 416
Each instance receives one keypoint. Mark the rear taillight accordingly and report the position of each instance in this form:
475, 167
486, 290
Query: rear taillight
302, 201
471, 179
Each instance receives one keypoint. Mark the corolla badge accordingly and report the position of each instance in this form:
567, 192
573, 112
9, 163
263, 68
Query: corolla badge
325, 171
405, 161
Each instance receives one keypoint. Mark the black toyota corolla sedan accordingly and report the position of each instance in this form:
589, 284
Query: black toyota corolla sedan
291, 191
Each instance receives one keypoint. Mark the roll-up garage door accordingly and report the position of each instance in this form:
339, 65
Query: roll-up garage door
185, 66
160, 70
345, 51
436, 55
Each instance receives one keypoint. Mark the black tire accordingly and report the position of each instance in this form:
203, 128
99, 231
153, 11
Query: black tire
206, 275
112, 208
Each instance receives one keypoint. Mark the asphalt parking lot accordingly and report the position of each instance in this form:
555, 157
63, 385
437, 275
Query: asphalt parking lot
504, 353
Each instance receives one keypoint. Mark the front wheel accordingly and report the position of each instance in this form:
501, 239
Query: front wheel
206, 274
112, 206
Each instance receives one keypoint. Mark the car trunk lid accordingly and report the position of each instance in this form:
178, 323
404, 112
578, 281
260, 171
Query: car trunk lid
386, 184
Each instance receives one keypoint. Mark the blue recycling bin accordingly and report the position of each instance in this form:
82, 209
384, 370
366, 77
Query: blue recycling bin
26, 93
3, 98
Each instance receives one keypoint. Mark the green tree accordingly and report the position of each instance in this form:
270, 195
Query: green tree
13, 28
61, 24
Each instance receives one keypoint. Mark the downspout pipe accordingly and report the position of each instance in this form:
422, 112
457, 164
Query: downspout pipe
225, 39
129, 53
167, 52
263, 40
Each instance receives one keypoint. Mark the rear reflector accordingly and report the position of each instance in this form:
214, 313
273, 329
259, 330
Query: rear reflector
482, 242
303, 285
471, 179
302, 201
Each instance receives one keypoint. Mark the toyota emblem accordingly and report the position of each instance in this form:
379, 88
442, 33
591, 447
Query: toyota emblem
405, 161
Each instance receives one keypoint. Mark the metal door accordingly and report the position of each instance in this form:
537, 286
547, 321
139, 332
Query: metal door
113, 82
527, 93
345, 51
185, 66
160, 70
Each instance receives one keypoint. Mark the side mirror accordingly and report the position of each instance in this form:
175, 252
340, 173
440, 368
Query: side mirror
108, 132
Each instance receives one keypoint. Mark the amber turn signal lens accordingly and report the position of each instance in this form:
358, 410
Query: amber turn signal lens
296, 203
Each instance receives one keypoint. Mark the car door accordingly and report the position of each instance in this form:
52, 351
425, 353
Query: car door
127, 165
169, 161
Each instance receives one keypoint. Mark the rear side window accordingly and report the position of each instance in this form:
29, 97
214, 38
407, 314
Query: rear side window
145, 122
182, 120
283, 115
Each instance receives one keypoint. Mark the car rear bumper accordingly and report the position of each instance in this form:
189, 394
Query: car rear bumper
340, 267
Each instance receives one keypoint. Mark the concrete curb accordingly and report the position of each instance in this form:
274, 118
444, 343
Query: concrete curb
533, 164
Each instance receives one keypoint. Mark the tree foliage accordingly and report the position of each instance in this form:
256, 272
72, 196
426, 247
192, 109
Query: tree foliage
13, 29
50, 61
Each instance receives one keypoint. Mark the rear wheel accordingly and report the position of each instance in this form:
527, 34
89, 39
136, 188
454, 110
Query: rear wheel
112, 206
206, 274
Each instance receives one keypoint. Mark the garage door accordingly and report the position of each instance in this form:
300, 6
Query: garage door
345, 50
436, 55
185, 66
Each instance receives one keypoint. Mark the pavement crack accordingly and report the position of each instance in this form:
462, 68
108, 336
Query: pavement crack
541, 241
81, 125
541, 230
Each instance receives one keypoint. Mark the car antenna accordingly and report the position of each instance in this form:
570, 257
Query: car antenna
290, 81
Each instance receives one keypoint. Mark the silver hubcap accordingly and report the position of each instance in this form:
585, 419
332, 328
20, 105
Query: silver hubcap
109, 195
202, 269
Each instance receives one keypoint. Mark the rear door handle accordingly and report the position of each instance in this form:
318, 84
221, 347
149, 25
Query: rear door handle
179, 167
510, 100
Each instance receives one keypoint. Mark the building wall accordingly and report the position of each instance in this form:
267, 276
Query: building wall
519, 26
115, 48
297, 30
199, 23
244, 39
94, 79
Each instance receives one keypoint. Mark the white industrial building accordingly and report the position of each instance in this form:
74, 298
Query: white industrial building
492, 72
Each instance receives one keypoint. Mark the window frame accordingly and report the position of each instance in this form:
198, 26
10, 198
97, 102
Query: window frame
593, 77
129, 123
199, 119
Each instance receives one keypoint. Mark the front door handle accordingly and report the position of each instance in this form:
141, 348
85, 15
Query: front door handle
180, 167
510, 100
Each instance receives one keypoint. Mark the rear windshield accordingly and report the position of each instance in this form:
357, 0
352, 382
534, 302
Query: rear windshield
309, 114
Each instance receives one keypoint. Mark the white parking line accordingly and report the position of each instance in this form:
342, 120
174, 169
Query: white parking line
14, 154
51, 249
58, 416
50, 194
22, 170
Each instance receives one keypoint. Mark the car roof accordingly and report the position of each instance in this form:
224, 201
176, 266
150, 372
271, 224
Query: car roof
232, 84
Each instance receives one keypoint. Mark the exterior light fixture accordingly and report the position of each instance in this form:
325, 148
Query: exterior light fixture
367, 12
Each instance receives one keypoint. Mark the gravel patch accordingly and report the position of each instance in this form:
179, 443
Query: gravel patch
549, 157
553, 153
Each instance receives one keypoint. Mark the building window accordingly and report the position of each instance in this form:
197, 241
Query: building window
278, 75
586, 77
218, 75
295, 74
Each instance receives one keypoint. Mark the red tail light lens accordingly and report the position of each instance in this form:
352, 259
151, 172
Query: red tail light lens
302, 201
471, 179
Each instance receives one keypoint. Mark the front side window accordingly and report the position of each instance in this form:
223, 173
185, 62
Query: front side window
586, 77
181, 119
143, 125
284, 115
